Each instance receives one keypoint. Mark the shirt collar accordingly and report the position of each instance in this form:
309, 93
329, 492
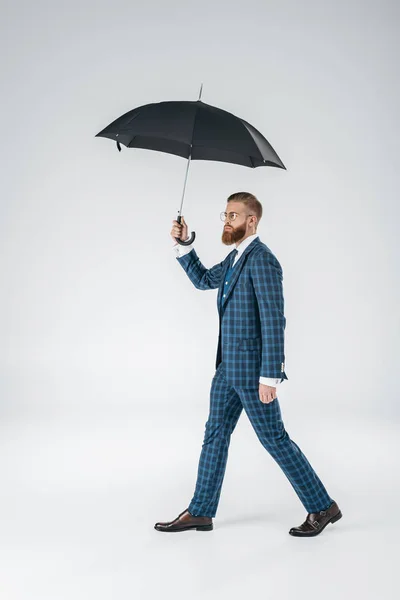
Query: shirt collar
243, 245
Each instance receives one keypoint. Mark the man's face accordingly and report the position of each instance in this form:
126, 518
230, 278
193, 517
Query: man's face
236, 230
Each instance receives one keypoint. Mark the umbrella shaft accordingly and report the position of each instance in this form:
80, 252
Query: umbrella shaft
184, 185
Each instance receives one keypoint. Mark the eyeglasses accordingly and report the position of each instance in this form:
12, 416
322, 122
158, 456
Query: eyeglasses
231, 216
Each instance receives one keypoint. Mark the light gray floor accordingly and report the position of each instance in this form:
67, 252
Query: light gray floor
82, 491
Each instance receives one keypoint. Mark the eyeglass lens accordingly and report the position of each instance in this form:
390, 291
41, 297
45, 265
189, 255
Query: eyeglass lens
231, 216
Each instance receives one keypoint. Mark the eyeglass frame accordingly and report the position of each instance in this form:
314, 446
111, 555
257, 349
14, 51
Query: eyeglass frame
232, 212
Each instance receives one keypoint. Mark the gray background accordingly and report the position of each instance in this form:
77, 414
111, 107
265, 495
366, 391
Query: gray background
108, 350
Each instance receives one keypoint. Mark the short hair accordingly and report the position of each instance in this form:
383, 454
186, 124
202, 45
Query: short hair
250, 201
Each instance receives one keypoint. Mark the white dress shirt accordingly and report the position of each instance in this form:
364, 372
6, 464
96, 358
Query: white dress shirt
182, 250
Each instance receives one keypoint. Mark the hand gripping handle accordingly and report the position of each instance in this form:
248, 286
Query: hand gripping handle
190, 240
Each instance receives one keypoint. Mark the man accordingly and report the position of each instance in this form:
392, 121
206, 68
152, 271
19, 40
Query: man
249, 366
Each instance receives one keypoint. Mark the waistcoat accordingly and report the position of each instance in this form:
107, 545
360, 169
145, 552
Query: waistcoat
228, 277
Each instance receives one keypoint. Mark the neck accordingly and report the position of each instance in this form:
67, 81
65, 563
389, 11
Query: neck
242, 240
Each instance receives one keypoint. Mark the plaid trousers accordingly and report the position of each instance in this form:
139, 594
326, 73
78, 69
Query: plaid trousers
226, 404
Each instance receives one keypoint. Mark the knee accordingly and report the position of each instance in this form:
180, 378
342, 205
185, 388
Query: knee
211, 431
273, 436
217, 430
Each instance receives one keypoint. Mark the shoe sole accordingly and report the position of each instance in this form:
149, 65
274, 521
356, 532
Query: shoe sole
197, 527
312, 533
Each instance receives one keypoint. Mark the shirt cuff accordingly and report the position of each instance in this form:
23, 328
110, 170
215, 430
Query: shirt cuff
270, 381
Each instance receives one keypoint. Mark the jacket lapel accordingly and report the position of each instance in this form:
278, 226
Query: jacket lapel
235, 273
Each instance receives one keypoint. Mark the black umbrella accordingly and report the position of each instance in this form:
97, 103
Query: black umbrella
196, 131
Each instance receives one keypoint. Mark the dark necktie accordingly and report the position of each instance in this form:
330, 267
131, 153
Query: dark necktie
234, 254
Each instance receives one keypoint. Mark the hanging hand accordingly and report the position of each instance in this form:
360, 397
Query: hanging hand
267, 393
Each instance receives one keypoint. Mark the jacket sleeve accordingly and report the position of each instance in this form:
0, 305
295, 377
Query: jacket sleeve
202, 278
266, 274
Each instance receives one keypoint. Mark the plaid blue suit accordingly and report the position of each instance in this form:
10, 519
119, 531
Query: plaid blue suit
250, 344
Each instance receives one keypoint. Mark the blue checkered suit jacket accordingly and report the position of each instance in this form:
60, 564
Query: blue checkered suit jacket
251, 320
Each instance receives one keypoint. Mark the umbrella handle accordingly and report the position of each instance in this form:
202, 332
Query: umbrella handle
190, 240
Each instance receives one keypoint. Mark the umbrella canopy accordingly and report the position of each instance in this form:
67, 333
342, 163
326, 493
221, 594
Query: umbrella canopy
195, 130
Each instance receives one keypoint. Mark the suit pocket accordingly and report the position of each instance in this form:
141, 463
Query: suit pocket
246, 345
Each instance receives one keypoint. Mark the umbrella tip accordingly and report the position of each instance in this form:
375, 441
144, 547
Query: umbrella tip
201, 88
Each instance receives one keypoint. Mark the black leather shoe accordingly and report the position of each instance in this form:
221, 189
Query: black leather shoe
186, 521
316, 522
